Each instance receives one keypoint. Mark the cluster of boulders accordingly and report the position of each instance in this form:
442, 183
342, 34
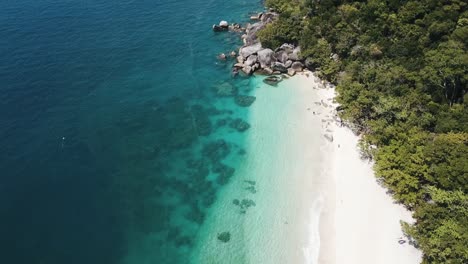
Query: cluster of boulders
252, 57
224, 26
255, 58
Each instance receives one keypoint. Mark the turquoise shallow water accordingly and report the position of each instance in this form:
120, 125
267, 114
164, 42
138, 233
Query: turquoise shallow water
114, 146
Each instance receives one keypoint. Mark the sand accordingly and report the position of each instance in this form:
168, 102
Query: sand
359, 222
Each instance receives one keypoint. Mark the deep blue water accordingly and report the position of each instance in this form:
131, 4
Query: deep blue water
96, 110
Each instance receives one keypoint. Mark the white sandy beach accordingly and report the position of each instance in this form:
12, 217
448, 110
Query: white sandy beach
359, 222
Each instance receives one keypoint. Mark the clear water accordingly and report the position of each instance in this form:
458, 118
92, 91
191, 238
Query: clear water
113, 145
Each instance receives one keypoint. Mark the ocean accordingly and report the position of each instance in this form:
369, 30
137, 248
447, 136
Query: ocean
115, 139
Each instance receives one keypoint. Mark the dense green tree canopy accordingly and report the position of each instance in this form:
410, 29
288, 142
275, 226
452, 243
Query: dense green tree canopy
401, 69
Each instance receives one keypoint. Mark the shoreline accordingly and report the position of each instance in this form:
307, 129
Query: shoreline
314, 202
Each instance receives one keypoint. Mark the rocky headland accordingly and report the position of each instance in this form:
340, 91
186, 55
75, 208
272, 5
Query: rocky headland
253, 57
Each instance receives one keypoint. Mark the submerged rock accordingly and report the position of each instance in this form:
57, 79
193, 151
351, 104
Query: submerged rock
225, 89
216, 150
239, 124
246, 203
278, 66
273, 80
225, 173
244, 100
251, 189
183, 241
224, 237
195, 215
250, 182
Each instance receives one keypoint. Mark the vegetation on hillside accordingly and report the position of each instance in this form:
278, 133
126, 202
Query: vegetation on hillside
401, 72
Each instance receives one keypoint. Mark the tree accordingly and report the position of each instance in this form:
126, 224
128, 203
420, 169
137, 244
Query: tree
447, 68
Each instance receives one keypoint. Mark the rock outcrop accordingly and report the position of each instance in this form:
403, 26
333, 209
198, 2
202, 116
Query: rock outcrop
246, 51
265, 56
252, 57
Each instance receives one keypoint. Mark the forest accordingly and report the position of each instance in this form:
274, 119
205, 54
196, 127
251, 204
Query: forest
400, 68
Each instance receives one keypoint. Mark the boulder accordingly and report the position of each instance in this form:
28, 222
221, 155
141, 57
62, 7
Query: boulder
239, 65
288, 63
233, 54
265, 57
251, 60
249, 50
240, 59
295, 54
278, 66
291, 72
247, 70
281, 56
217, 28
297, 66
289, 48
255, 67
223, 23
222, 56
273, 80
264, 71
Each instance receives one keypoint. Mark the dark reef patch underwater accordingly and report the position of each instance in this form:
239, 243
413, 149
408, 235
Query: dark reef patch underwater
117, 125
